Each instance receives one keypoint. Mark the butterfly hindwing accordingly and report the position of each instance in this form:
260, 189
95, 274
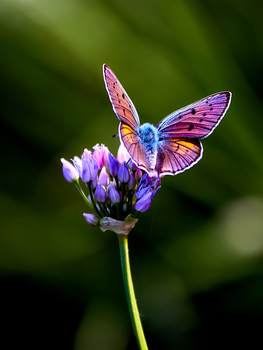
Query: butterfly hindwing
176, 155
133, 145
121, 103
197, 120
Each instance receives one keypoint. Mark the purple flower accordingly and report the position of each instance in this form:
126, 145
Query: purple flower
113, 165
113, 194
100, 194
89, 167
146, 191
98, 154
123, 173
69, 171
144, 203
104, 179
109, 183
91, 219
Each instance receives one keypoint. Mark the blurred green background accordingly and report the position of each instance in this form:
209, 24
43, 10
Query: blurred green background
196, 255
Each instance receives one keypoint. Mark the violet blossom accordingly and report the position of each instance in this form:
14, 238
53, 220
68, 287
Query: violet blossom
116, 190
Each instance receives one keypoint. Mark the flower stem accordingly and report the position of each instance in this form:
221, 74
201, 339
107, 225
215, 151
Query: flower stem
92, 208
132, 304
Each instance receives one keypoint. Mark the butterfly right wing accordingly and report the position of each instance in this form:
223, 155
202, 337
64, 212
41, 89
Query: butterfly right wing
179, 146
197, 120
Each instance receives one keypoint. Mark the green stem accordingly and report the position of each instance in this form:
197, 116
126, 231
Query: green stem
92, 205
132, 304
85, 197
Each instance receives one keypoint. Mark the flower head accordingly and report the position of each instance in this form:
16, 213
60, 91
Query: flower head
117, 191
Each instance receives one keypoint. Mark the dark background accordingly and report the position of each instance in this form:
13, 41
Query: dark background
196, 255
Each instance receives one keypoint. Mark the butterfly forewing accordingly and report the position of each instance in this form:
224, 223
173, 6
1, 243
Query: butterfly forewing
197, 120
121, 103
177, 155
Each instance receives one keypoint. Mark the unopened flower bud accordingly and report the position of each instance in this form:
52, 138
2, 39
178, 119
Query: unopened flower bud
100, 194
91, 219
98, 154
122, 155
89, 167
69, 171
105, 157
123, 173
104, 177
114, 195
113, 165
138, 174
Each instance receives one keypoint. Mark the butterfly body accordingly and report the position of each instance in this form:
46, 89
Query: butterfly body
149, 138
173, 145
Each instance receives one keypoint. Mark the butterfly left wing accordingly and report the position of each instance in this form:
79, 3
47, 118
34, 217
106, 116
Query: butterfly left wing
128, 116
199, 119
121, 103
177, 154
133, 145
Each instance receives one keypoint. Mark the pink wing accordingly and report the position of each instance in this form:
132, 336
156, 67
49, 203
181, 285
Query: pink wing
127, 114
197, 120
176, 155
133, 145
121, 103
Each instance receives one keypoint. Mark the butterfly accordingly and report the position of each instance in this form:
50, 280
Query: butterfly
173, 145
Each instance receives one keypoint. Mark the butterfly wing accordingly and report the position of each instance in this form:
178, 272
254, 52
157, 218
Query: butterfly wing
198, 120
177, 154
127, 114
134, 146
179, 145
121, 103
